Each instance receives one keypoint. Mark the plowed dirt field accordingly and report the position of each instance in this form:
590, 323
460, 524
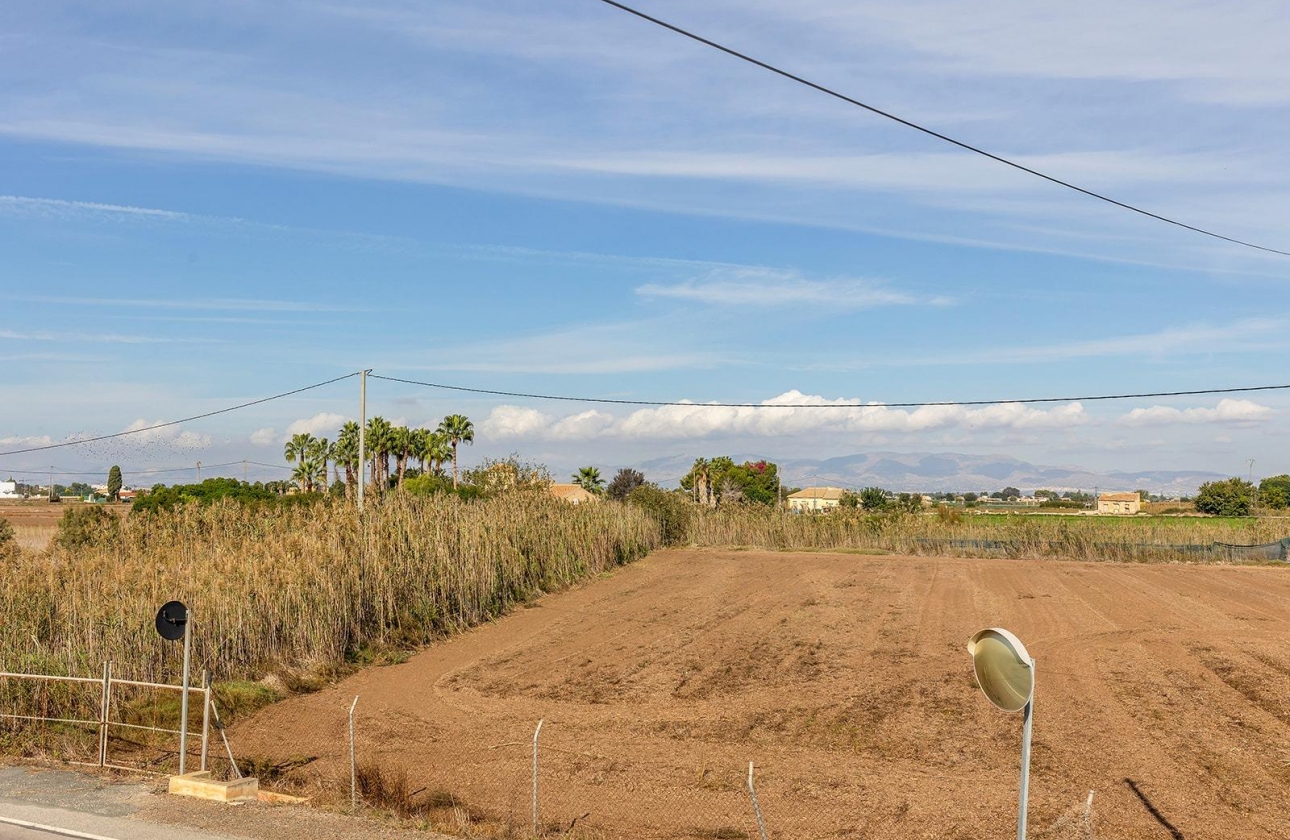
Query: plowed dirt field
1166, 689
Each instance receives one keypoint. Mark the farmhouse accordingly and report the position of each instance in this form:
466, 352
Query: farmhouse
815, 499
9, 490
1119, 503
573, 494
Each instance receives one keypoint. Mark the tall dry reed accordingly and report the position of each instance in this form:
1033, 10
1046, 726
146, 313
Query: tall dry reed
956, 533
298, 590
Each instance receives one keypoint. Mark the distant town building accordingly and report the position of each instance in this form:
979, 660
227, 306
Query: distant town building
574, 494
815, 499
9, 490
1119, 503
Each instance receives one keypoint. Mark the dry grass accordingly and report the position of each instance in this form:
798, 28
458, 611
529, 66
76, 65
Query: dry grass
1133, 539
298, 592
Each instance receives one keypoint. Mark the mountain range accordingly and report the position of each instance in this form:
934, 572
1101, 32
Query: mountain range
949, 471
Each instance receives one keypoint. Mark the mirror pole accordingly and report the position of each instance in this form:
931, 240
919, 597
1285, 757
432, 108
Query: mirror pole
183, 703
1025, 762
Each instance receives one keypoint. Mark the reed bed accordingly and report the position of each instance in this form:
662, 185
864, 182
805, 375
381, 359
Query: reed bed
1132, 539
297, 592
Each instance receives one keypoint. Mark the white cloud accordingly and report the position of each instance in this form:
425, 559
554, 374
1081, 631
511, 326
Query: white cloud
770, 287
1227, 411
264, 437
790, 413
322, 424
508, 421
27, 440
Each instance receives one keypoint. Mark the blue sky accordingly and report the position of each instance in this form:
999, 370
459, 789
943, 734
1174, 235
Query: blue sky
205, 203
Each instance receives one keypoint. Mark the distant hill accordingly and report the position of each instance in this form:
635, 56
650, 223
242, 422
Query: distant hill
949, 471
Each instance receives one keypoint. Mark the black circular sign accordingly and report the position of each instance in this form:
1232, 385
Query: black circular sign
171, 619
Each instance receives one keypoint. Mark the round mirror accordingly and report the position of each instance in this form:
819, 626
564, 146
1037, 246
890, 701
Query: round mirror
1003, 668
171, 619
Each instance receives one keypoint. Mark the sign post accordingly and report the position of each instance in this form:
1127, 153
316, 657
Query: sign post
173, 623
1006, 674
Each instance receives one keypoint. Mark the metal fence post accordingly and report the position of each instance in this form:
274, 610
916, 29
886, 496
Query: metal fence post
353, 765
536, 732
206, 715
752, 794
103, 713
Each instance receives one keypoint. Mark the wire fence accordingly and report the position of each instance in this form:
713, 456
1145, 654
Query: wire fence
112, 722
539, 780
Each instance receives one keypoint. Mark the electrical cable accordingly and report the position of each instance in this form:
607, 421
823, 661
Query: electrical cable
609, 401
133, 472
177, 422
933, 133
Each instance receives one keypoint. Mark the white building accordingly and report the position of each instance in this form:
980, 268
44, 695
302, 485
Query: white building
9, 490
815, 499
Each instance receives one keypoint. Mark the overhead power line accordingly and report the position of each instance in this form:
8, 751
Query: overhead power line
130, 472
933, 133
656, 403
176, 422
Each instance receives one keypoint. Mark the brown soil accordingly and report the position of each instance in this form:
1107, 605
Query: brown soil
845, 678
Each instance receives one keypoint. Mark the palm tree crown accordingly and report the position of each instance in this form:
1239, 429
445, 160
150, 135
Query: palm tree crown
588, 478
457, 428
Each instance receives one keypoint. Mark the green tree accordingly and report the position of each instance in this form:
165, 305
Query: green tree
345, 454
402, 445
1232, 497
379, 432
909, 502
458, 429
114, 484
432, 449
299, 450
588, 478
873, 498
1274, 491
625, 481
320, 454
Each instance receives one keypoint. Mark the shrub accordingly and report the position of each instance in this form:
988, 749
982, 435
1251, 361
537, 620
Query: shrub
84, 525
1232, 497
8, 541
674, 513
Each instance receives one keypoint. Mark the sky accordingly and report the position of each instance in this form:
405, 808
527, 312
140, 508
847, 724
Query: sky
203, 204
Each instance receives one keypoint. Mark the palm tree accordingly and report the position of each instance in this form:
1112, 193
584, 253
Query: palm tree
378, 444
588, 478
321, 454
457, 428
299, 449
346, 452
702, 482
401, 446
303, 475
431, 449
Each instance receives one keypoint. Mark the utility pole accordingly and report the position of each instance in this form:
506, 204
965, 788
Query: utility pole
51, 482
244, 471
362, 434
199, 472
1255, 502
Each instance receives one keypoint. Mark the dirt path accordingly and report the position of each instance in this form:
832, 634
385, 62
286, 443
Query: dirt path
845, 678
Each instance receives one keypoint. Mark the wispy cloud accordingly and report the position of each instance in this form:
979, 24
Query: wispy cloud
61, 208
772, 288
98, 338
193, 304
